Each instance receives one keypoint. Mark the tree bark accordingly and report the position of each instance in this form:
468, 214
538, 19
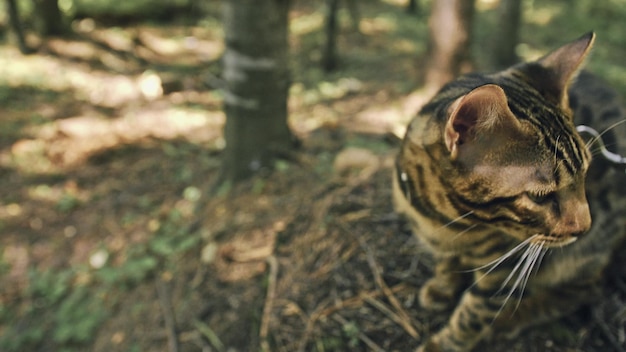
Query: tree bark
50, 20
16, 24
355, 15
507, 35
450, 27
257, 84
412, 7
329, 58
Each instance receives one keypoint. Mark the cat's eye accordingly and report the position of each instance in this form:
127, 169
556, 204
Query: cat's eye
538, 198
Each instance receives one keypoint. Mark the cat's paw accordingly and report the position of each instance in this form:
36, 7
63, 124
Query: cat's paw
436, 296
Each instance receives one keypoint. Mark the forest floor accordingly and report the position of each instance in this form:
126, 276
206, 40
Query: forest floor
112, 241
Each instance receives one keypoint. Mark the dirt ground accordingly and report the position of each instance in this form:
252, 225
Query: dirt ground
112, 241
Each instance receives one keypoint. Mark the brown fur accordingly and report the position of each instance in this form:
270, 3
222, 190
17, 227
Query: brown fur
491, 176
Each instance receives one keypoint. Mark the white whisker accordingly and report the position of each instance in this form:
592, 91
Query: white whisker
556, 146
521, 261
526, 263
542, 254
532, 265
495, 263
508, 278
599, 135
503, 257
464, 231
455, 220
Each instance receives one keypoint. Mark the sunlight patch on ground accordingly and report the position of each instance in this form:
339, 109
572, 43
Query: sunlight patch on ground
70, 141
486, 5
10, 211
377, 25
162, 46
63, 196
123, 102
404, 46
378, 120
34, 70
305, 24
397, 2
74, 50
46, 72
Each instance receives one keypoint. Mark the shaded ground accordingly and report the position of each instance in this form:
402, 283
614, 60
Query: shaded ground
109, 241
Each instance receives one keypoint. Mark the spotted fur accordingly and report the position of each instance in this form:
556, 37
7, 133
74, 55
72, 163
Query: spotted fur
491, 176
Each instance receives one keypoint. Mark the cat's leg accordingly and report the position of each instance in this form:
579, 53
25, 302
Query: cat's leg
487, 308
441, 292
471, 321
545, 306
468, 324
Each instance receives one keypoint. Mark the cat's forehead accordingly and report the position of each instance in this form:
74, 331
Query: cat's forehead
517, 177
550, 128
560, 156
535, 161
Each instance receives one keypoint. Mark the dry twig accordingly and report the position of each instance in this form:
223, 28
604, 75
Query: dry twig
168, 315
325, 311
269, 301
357, 301
209, 334
404, 318
309, 327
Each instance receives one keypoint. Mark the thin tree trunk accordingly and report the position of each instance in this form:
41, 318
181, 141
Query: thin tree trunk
16, 25
412, 7
257, 83
329, 58
507, 35
355, 15
50, 18
450, 26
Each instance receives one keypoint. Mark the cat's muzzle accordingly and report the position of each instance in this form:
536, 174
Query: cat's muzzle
552, 241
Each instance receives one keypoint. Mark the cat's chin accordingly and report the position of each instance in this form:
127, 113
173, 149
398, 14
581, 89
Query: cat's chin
552, 241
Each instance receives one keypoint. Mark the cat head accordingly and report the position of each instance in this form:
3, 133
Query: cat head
519, 163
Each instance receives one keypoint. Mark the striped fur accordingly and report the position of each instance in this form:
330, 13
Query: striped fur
491, 176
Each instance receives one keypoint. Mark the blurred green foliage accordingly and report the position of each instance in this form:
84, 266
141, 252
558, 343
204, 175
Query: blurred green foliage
68, 305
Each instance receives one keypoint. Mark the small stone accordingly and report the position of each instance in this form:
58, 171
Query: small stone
209, 252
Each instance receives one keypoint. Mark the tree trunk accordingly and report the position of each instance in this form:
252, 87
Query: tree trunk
450, 25
257, 84
412, 7
507, 35
329, 58
355, 15
50, 19
16, 25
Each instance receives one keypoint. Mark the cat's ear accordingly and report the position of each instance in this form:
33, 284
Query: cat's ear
478, 113
562, 65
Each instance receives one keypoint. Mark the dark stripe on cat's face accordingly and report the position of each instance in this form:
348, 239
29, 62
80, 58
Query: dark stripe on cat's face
554, 126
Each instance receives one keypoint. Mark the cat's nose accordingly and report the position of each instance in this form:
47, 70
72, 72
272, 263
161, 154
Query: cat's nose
574, 222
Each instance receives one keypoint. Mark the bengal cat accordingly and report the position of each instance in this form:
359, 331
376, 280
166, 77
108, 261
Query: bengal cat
495, 179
